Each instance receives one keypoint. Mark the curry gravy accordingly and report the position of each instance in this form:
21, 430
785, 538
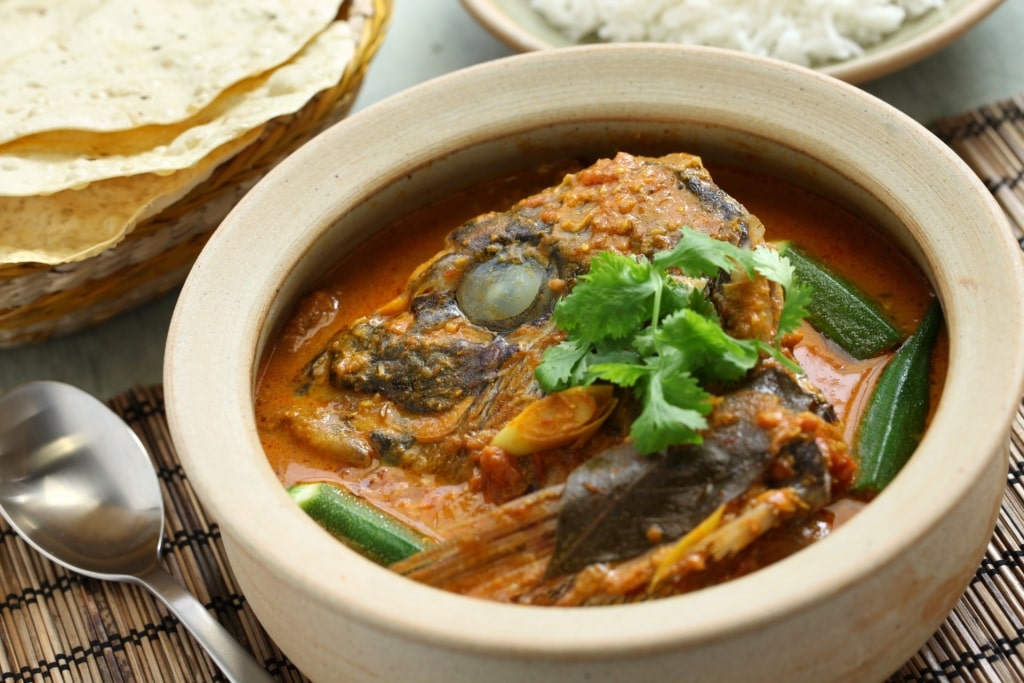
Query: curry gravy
376, 271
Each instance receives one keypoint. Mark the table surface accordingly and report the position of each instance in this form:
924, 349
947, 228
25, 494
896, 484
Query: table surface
428, 38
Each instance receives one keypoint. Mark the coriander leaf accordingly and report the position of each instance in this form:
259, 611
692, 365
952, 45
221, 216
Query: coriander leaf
772, 265
700, 303
621, 374
661, 424
711, 353
794, 308
642, 325
612, 354
683, 389
645, 342
611, 300
678, 295
562, 365
701, 255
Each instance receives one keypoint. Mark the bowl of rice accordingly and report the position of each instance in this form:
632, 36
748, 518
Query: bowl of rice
853, 41
854, 607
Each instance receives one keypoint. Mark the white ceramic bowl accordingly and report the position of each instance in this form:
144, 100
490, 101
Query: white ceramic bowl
517, 24
852, 608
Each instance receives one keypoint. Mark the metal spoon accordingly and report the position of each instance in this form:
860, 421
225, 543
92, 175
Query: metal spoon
77, 484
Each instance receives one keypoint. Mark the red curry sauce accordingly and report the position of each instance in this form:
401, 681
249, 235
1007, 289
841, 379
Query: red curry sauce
377, 270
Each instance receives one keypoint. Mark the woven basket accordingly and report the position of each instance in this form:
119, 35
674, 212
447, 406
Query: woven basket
39, 301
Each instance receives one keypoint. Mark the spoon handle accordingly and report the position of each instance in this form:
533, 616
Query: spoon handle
235, 661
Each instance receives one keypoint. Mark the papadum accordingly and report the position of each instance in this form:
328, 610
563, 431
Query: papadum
58, 160
112, 110
75, 224
118, 64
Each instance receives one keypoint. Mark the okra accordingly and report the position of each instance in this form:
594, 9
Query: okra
894, 421
839, 309
357, 523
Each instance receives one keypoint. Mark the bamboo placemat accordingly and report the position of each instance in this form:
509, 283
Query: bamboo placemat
59, 626
991, 140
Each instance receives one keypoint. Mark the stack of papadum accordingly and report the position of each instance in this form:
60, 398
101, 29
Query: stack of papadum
111, 110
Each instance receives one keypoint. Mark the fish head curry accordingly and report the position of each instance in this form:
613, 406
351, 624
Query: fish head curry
428, 400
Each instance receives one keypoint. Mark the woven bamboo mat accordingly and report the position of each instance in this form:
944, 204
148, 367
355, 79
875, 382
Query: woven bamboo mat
991, 140
59, 626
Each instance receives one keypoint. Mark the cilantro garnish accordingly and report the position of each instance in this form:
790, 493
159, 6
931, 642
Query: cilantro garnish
634, 323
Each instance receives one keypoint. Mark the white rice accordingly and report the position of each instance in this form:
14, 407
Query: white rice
808, 32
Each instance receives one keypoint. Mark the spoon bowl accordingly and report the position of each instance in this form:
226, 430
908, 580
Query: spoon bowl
77, 484
64, 489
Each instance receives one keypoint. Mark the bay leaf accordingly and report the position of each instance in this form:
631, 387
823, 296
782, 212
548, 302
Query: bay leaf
620, 504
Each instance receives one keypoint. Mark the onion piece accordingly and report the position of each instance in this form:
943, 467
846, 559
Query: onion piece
557, 419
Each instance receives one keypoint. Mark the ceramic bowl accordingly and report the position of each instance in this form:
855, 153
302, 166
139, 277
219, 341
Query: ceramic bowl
517, 24
852, 608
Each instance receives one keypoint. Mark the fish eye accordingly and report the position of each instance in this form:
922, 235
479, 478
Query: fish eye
502, 295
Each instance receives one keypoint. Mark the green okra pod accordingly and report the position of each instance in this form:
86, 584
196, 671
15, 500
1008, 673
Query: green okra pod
894, 420
357, 523
839, 309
